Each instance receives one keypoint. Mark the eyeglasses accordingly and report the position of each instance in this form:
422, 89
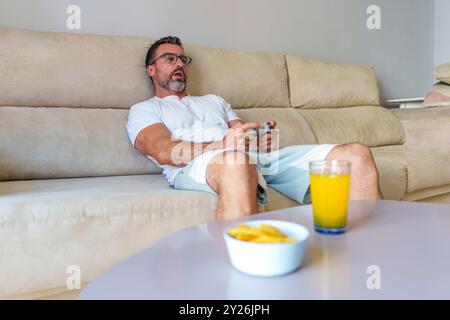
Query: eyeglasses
172, 58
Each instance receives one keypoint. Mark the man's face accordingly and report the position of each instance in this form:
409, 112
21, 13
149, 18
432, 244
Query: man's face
170, 76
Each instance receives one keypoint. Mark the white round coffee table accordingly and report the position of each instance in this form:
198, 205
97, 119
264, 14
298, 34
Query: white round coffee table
391, 250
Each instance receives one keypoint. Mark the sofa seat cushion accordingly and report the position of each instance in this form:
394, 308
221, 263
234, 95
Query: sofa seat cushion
433, 194
425, 165
48, 225
392, 175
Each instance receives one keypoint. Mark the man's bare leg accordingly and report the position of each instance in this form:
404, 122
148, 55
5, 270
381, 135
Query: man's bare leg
364, 183
235, 180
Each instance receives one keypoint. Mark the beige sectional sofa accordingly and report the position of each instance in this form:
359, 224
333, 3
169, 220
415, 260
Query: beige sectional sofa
73, 191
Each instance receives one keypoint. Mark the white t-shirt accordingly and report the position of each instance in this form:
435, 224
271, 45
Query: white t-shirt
196, 119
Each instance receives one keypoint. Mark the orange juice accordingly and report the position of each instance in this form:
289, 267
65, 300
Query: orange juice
329, 197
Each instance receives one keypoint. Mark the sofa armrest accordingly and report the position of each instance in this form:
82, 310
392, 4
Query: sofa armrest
425, 126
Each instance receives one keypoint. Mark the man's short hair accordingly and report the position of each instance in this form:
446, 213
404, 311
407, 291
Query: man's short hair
152, 50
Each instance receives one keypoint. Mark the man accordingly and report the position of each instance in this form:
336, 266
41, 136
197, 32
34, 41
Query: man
201, 144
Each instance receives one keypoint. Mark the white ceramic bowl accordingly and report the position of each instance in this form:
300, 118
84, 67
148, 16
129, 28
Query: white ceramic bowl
268, 259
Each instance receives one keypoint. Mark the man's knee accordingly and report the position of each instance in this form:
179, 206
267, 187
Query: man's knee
234, 166
239, 164
231, 158
361, 158
356, 148
357, 153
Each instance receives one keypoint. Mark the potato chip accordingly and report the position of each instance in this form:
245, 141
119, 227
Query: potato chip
271, 231
260, 234
243, 232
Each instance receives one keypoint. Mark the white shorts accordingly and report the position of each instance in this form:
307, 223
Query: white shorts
286, 170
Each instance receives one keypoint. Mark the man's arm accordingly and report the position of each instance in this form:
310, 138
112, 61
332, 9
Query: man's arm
235, 123
157, 142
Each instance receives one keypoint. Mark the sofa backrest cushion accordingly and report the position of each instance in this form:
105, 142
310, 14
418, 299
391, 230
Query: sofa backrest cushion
371, 125
54, 69
322, 84
244, 79
443, 73
64, 101
40, 143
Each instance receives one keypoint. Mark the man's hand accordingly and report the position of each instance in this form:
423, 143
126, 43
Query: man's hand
238, 137
234, 124
267, 142
273, 123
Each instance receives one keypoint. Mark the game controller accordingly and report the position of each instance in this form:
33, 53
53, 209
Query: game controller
267, 127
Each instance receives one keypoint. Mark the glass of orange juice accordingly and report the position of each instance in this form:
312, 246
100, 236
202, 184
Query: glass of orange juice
330, 189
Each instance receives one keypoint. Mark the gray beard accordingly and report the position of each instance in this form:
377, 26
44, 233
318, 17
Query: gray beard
173, 85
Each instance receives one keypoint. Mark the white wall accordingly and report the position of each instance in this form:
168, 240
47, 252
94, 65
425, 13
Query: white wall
402, 51
442, 32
